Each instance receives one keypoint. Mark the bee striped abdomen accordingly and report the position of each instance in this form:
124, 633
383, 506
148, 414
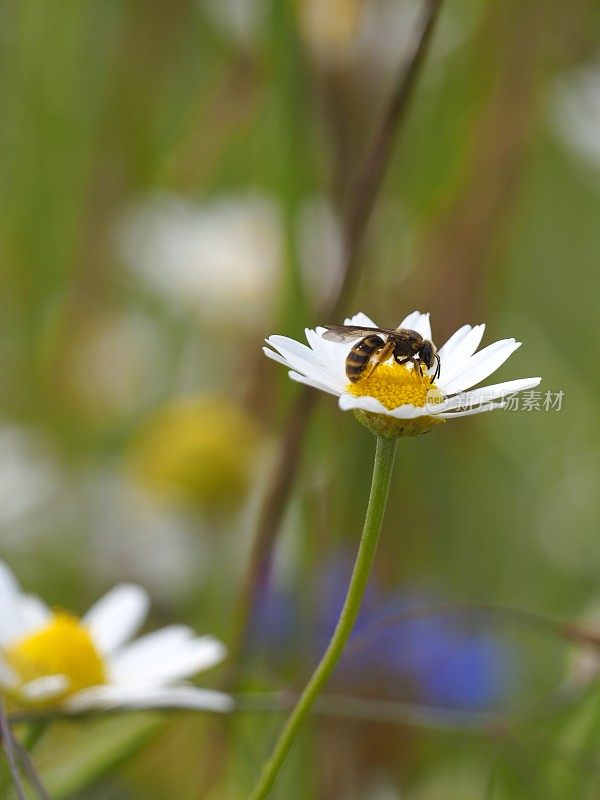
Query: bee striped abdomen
360, 355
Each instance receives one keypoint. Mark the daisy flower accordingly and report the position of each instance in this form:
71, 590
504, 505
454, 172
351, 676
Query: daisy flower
396, 399
53, 659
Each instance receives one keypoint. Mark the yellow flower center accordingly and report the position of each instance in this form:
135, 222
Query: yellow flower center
63, 647
394, 385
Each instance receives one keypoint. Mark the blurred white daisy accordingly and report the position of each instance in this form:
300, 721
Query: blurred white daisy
378, 35
575, 112
584, 661
398, 400
217, 258
32, 483
53, 659
133, 536
242, 20
320, 243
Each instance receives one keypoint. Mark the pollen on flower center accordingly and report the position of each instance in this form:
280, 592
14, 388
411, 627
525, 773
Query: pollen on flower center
63, 647
394, 385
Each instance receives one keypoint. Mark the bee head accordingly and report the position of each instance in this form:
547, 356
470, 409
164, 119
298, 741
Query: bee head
427, 353
429, 356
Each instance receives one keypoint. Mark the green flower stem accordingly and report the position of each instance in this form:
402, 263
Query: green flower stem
382, 473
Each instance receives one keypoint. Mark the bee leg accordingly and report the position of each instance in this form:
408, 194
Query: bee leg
414, 361
379, 357
418, 366
369, 367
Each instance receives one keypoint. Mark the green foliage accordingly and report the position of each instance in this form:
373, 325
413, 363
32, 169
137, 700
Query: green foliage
75, 755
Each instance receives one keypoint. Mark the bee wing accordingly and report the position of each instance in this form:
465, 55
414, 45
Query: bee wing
346, 333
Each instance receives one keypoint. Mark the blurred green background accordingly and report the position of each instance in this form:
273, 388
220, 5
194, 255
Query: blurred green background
172, 179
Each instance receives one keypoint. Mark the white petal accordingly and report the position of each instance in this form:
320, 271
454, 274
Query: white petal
455, 361
110, 697
488, 393
323, 363
285, 343
332, 354
169, 663
159, 646
348, 401
447, 348
470, 411
509, 387
469, 343
148, 645
11, 616
276, 357
117, 616
8, 677
417, 322
479, 366
331, 384
361, 320
301, 358
409, 412
410, 320
45, 688
296, 376
35, 613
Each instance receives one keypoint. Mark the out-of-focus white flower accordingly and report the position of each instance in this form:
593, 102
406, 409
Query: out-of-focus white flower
54, 659
381, 787
388, 31
133, 535
584, 662
398, 399
242, 20
219, 259
378, 34
30, 476
320, 247
575, 112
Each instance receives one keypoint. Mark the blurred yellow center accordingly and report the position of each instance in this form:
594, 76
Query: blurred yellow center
197, 450
394, 385
63, 647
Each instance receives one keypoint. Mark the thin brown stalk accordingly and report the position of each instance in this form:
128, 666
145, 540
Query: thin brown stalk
370, 177
528, 620
418, 715
30, 771
8, 743
363, 196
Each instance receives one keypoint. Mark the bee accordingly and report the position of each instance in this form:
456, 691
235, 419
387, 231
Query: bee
377, 345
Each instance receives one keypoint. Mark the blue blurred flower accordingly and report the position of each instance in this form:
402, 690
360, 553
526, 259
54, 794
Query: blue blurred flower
440, 658
447, 663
